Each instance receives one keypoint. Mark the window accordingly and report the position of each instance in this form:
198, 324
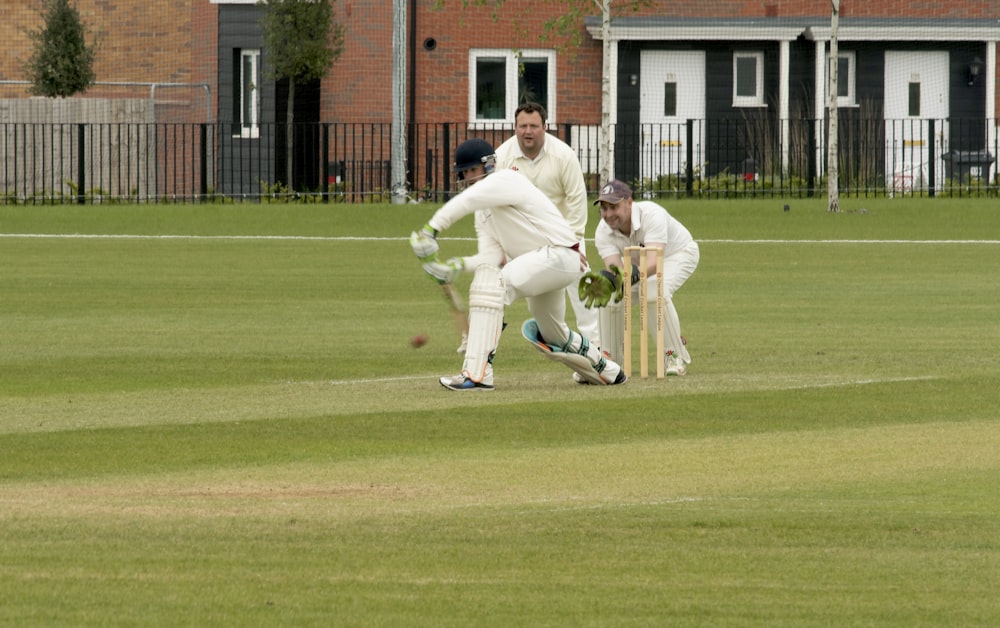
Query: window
670, 99
748, 79
491, 88
845, 80
246, 99
913, 100
502, 79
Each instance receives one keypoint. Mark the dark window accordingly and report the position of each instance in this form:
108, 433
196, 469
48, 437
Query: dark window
670, 99
491, 87
533, 81
914, 101
746, 77
843, 77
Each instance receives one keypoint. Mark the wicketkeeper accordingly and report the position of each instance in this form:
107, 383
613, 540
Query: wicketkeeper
519, 228
625, 222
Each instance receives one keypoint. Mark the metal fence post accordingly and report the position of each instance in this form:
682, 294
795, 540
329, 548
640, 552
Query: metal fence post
811, 159
930, 157
325, 160
81, 170
689, 170
203, 166
446, 170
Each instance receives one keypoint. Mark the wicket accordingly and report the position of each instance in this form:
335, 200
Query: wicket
643, 316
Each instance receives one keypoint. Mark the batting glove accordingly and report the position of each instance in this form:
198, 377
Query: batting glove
424, 244
445, 272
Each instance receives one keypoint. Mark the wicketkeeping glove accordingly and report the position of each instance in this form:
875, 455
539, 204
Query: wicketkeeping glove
424, 244
597, 288
444, 272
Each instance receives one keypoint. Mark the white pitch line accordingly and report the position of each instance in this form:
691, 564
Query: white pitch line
613, 505
748, 383
862, 382
851, 241
98, 236
124, 236
354, 382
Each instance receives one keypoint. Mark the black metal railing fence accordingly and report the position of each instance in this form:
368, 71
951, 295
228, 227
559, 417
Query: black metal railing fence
351, 162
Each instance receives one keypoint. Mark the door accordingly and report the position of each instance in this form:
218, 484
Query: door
916, 92
672, 92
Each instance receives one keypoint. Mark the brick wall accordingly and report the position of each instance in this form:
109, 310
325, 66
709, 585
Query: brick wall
138, 41
175, 41
811, 8
145, 42
357, 88
361, 92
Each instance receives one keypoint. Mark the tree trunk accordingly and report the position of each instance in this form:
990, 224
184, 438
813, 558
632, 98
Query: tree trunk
607, 164
398, 145
833, 134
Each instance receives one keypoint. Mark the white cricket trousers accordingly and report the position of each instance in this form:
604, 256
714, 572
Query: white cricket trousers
540, 277
676, 270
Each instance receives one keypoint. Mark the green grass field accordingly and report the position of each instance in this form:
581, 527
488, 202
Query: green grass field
211, 415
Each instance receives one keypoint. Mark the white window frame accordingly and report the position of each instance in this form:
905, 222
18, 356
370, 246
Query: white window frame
512, 59
249, 128
850, 100
757, 100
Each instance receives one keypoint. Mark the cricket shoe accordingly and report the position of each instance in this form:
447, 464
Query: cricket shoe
620, 379
462, 382
675, 365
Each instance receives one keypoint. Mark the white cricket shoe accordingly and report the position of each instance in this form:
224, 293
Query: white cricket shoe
620, 378
462, 382
675, 365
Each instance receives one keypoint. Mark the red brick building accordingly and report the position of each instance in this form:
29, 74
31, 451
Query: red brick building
758, 62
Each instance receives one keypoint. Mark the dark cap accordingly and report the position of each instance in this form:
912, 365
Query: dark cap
614, 192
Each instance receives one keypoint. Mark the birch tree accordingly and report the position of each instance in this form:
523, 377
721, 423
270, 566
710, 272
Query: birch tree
301, 42
833, 132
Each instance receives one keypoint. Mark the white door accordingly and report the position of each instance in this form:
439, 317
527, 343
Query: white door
672, 91
916, 91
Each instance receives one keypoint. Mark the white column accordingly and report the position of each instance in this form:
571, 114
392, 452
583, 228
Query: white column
990, 76
783, 89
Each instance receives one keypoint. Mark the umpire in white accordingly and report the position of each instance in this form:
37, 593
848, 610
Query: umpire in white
553, 166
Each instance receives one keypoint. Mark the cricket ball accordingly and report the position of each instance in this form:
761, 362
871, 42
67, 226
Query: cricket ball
418, 341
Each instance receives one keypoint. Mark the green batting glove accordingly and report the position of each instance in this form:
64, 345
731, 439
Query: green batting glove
444, 272
424, 244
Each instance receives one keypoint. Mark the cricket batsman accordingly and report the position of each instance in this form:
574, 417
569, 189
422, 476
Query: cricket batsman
520, 229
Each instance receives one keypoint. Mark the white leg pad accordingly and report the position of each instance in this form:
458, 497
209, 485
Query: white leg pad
486, 295
579, 363
587, 320
612, 322
671, 329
